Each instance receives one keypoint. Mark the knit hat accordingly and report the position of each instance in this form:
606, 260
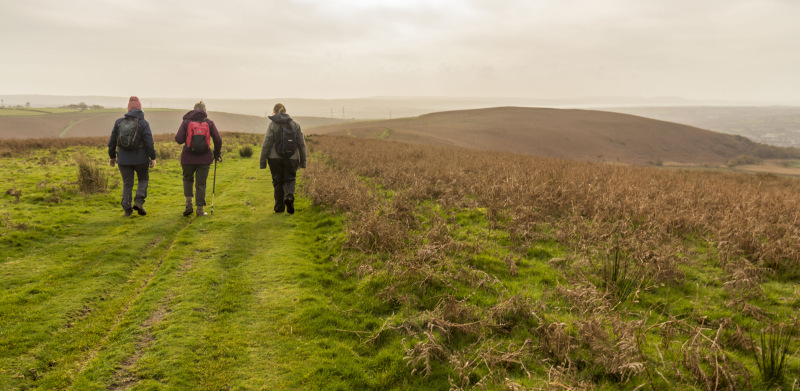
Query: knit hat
134, 104
200, 106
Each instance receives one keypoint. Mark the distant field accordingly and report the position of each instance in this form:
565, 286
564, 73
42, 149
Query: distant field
55, 122
44, 111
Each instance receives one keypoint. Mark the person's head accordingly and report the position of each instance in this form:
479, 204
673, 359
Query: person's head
200, 106
279, 109
133, 103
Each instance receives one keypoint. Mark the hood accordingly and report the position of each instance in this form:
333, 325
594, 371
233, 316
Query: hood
281, 118
195, 115
136, 113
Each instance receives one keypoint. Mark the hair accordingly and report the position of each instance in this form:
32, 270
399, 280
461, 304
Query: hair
200, 106
279, 108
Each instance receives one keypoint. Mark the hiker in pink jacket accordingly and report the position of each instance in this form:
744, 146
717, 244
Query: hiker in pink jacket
196, 132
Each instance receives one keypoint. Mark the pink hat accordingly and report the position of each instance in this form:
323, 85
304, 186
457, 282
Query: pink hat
134, 104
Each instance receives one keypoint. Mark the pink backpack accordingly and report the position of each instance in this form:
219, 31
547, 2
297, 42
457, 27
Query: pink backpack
198, 137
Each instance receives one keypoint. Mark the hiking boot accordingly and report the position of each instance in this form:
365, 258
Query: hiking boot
139, 209
200, 211
279, 207
289, 201
188, 211
128, 213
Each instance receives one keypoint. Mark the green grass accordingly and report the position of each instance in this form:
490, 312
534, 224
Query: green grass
245, 299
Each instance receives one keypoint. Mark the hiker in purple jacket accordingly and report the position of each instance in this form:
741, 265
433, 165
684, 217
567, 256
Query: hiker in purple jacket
196, 132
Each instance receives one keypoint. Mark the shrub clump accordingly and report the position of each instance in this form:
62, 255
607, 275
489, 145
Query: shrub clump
246, 151
742, 160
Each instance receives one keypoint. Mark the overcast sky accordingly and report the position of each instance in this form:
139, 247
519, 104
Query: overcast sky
735, 50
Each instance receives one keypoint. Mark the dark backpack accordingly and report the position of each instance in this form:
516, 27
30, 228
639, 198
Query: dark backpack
198, 137
128, 134
287, 142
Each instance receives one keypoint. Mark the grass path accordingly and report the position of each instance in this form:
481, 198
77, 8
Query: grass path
243, 299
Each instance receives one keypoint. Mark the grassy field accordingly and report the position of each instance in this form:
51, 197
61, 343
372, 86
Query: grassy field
245, 299
405, 267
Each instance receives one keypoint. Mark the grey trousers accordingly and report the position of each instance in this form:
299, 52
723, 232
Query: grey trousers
195, 176
142, 172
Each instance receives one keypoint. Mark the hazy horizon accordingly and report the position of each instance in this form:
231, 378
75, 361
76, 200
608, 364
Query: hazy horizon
715, 50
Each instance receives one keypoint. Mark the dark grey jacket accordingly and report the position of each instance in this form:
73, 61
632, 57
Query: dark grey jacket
146, 150
271, 138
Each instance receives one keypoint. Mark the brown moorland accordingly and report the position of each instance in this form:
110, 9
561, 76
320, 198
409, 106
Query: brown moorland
665, 279
563, 133
93, 124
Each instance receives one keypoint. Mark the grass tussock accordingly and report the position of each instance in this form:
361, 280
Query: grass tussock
164, 152
246, 151
91, 178
772, 351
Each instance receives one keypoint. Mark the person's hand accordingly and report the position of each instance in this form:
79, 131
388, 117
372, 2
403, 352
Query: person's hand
153, 163
217, 157
302, 164
112, 162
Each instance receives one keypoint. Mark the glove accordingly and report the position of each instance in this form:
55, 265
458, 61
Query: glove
303, 164
217, 156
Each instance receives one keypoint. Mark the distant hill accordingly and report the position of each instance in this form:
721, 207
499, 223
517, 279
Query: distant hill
562, 133
100, 122
377, 107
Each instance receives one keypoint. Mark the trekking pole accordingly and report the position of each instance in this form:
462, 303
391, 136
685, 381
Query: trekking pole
214, 186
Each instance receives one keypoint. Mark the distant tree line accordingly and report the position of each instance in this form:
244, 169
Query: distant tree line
82, 106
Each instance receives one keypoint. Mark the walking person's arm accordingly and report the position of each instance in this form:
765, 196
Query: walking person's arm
217, 140
112, 145
180, 137
266, 146
301, 147
149, 143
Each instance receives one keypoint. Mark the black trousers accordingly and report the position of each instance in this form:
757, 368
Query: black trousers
284, 174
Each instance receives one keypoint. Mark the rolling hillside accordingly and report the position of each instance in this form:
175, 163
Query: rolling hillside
561, 133
99, 123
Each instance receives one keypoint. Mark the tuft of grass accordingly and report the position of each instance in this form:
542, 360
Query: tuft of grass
91, 179
246, 151
164, 153
772, 351
622, 274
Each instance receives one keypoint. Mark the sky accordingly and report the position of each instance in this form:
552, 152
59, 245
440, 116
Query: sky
729, 50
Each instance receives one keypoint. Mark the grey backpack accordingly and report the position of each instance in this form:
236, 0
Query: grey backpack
128, 135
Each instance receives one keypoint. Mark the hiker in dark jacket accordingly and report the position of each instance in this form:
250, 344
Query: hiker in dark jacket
196, 165
139, 158
283, 170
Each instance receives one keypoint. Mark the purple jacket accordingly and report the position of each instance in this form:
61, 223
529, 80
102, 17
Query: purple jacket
180, 138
